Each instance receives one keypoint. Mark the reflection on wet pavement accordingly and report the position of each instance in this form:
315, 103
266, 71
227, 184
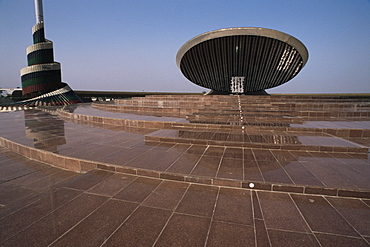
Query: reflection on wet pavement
162, 168
335, 124
46, 206
289, 156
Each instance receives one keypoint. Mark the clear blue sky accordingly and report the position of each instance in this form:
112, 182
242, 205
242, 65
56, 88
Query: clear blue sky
131, 45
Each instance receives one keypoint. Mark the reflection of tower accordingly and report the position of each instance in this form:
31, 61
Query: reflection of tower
42, 78
46, 131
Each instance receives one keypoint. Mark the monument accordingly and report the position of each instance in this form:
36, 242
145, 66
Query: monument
41, 79
241, 60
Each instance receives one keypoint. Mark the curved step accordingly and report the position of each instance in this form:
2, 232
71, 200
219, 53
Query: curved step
82, 165
168, 161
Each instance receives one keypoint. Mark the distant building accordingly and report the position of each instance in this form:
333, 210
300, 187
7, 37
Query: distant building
241, 60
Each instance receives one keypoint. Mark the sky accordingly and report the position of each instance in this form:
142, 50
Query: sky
131, 45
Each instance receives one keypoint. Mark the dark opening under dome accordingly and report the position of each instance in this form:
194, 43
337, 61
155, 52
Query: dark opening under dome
241, 60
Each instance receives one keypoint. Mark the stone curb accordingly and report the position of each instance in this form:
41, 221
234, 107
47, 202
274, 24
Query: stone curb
82, 166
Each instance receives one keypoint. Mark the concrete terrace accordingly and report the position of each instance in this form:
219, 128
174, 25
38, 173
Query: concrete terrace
188, 171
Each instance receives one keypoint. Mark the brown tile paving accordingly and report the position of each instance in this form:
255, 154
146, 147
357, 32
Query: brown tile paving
88, 180
214, 151
301, 175
257, 212
141, 228
138, 190
18, 204
354, 212
196, 149
13, 223
50, 227
123, 156
329, 176
13, 171
263, 155
185, 163
327, 240
227, 234
38, 175
155, 159
231, 168
43, 205
184, 230
358, 178
286, 238
261, 235
50, 181
167, 195
106, 218
289, 218
111, 185
207, 166
198, 200
11, 193
273, 172
234, 206
314, 207
252, 171
235, 153
366, 201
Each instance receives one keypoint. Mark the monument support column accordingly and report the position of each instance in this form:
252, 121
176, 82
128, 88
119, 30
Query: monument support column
39, 11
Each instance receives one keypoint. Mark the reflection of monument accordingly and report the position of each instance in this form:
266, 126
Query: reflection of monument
41, 80
241, 60
239, 137
46, 131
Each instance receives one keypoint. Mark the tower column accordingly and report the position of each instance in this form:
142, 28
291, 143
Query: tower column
39, 11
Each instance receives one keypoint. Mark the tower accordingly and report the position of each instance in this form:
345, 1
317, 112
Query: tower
42, 78
42, 75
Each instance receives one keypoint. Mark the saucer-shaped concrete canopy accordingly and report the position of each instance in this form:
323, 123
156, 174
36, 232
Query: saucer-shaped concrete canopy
254, 58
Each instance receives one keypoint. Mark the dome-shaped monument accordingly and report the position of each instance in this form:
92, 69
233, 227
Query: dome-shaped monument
241, 60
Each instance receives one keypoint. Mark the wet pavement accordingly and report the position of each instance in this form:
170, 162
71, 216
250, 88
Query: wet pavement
46, 206
166, 181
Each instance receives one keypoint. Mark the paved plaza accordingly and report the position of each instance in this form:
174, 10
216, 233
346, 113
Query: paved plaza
187, 171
